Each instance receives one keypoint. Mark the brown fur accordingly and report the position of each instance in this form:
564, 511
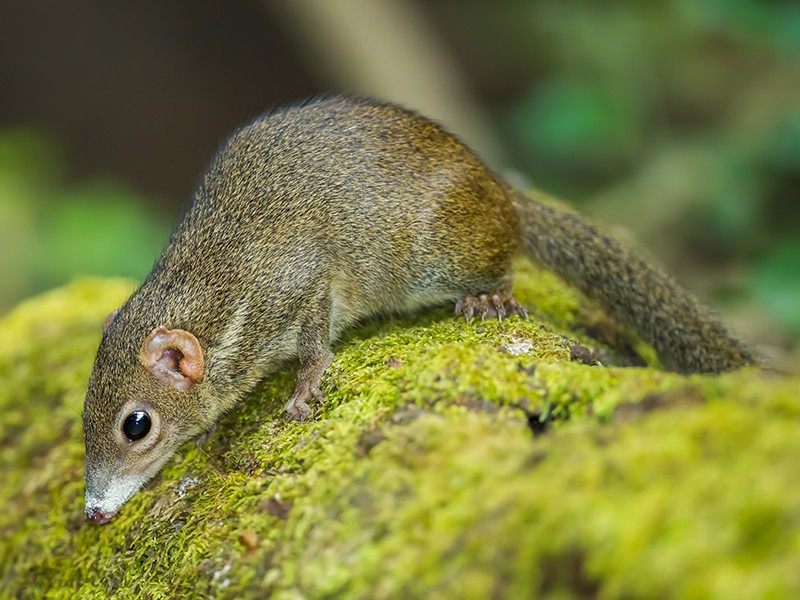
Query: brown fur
314, 217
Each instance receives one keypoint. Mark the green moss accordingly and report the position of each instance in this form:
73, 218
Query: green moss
418, 476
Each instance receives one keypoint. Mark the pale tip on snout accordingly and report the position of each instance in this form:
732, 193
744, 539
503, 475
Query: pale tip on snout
98, 517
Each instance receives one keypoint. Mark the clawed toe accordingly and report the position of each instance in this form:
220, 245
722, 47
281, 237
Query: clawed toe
494, 306
297, 409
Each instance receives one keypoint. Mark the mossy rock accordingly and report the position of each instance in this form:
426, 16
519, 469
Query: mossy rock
448, 460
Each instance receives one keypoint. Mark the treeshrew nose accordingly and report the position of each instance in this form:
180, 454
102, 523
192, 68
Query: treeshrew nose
98, 517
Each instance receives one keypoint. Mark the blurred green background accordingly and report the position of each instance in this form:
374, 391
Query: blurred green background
675, 121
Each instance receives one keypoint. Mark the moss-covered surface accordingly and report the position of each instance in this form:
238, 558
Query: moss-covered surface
420, 475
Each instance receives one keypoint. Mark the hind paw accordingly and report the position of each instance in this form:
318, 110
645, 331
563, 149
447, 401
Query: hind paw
493, 306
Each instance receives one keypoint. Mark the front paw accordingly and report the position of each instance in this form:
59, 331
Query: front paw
309, 380
297, 408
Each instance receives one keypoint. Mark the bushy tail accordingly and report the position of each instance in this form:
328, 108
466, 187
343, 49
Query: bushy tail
684, 333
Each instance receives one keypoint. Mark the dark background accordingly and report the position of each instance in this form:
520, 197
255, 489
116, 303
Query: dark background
677, 121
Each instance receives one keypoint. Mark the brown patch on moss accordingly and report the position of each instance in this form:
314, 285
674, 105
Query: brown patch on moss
248, 539
539, 423
609, 332
393, 362
369, 439
628, 411
567, 574
582, 354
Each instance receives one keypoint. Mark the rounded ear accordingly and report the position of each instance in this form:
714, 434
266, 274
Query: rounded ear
174, 357
109, 319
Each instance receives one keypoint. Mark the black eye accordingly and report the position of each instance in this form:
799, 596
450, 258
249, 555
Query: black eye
136, 425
